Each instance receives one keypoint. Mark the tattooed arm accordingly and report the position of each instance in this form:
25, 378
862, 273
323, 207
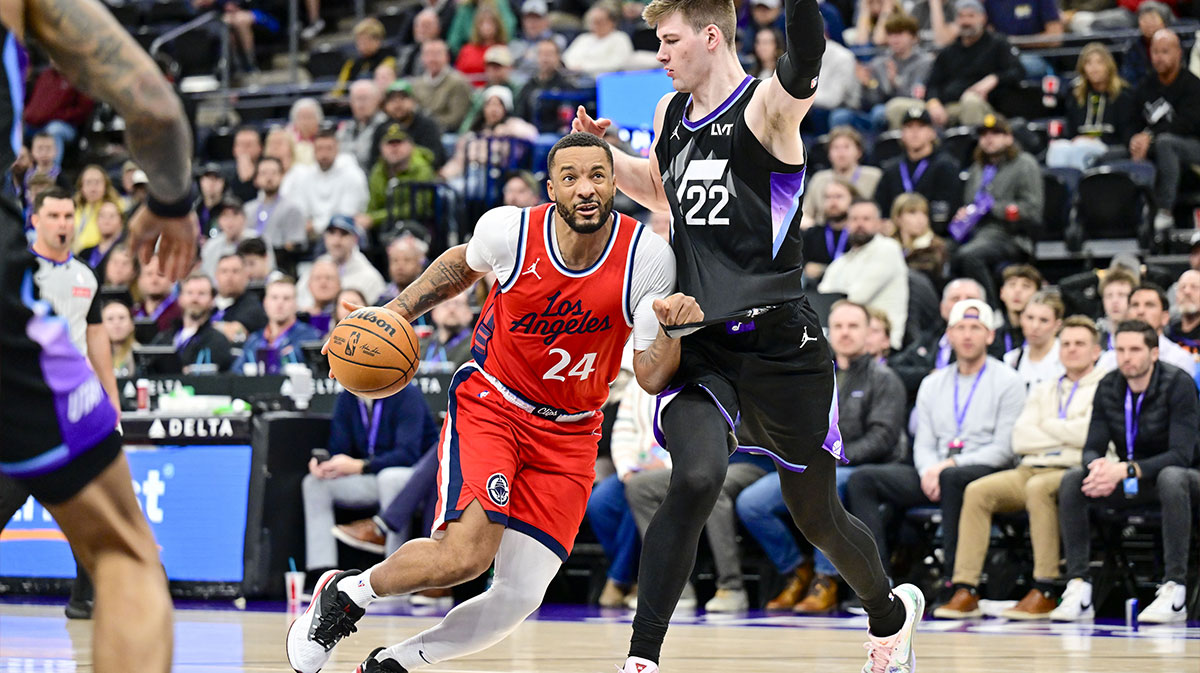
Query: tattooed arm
97, 55
448, 276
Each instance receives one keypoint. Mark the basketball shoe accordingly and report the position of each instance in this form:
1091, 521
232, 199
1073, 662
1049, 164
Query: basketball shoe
1169, 606
639, 665
373, 665
1076, 603
330, 617
894, 654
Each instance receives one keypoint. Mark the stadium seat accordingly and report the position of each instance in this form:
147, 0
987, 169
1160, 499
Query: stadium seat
325, 61
959, 143
887, 146
1059, 185
1111, 205
219, 144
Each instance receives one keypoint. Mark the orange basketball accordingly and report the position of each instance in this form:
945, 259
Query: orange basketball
373, 352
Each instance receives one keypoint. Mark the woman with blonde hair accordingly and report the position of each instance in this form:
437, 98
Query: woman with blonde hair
117, 319
924, 250
93, 189
486, 31
1099, 111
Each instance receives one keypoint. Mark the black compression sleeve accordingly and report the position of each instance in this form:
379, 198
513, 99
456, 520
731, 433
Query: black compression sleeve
801, 63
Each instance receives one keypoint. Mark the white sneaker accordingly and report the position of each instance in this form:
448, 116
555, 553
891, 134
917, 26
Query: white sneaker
330, 617
894, 654
1164, 220
1076, 603
1169, 606
728, 600
639, 665
687, 600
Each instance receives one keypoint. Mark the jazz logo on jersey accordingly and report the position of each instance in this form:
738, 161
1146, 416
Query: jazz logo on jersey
722, 129
533, 269
497, 489
562, 316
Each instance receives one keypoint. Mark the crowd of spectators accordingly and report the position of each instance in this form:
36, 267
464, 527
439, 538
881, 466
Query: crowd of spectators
966, 382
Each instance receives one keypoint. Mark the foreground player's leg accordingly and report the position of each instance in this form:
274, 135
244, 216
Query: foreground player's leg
699, 445
112, 540
812, 498
524, 569
340, 598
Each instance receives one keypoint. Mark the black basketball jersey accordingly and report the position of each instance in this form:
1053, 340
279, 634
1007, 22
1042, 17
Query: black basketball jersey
12, 96
735, 209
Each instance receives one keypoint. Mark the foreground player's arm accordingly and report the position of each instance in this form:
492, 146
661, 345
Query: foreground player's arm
448, 276
639, 179
656, 366
98, 56
775, 115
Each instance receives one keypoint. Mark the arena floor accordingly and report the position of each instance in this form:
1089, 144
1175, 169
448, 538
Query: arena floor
214, 638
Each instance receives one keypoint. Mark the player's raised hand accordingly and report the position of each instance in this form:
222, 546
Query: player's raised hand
678, 309
172, 239
585, 124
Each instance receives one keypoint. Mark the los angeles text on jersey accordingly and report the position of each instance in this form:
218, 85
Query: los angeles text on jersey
561, 316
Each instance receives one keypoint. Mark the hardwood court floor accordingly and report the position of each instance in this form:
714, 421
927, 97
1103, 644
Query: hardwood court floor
37, 639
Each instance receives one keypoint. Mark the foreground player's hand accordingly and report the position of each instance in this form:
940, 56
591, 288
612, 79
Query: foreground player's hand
678, 309
171, 239
585, 124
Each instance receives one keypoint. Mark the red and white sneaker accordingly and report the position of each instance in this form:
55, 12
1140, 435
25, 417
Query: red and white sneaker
329, 618
639, 665
894, 654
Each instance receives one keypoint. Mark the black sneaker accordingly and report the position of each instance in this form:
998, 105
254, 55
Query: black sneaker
330, 617
373, 665
78, 610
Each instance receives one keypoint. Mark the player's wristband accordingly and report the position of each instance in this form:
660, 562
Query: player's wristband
179, 208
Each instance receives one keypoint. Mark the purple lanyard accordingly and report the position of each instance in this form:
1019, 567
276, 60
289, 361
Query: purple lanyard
161, 307
835, 252
373, 427
961, 415
219, 315
1062, 408
943, 356
981, 196
857, 172
1132, 417
910, 181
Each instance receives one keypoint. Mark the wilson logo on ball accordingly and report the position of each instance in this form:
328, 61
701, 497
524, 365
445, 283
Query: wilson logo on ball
377, 320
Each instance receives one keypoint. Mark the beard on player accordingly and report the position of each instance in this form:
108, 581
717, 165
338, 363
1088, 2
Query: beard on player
596, 213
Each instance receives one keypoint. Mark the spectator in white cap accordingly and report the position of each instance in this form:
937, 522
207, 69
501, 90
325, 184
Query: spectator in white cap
535, 27
602, 48
497, 71
495, 121
342, 239
965, 418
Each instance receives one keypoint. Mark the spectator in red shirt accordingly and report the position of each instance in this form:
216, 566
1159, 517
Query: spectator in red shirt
56, 108
487, 31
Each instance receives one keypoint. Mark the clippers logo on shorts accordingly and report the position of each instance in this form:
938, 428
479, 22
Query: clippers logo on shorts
497, 489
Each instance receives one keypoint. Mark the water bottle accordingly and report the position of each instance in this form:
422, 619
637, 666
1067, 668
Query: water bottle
303, 385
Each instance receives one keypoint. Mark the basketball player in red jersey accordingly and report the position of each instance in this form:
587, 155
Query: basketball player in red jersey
574, 281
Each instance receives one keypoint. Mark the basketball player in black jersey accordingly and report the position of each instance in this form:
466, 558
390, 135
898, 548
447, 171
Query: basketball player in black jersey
728, 164
56, 423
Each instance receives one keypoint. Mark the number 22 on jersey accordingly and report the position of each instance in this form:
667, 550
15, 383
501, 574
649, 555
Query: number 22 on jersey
704, 203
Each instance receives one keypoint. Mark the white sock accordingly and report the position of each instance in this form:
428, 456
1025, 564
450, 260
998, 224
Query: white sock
358, 588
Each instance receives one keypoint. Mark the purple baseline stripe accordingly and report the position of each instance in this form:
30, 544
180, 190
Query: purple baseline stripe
786, 190
692, 126
794, 467
833, 438
670, 394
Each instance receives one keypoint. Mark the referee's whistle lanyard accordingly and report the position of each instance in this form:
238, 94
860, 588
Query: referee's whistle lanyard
372, 427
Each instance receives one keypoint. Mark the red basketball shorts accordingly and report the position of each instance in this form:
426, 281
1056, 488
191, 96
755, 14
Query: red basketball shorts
530, 474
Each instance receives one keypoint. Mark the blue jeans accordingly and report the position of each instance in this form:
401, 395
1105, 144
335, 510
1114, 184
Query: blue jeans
762, 510
612, 520
871, 122
62, 133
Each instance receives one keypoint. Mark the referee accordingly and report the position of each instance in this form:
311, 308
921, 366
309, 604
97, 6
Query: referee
70, 285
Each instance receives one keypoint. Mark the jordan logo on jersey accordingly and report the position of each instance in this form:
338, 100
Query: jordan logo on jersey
562, 316
805, 338
533, 269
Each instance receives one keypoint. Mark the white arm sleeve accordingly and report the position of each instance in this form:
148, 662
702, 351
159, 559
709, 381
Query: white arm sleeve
494, 245
653, 278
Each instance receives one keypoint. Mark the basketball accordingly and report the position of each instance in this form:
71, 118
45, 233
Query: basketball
373, 352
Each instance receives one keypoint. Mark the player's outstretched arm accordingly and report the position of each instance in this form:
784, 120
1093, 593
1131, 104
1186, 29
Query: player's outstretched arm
448, 276
97, 55
638, 178
656, 366
789, 93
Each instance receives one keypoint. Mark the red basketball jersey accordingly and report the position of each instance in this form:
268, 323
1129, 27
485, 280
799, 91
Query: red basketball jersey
552, 335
